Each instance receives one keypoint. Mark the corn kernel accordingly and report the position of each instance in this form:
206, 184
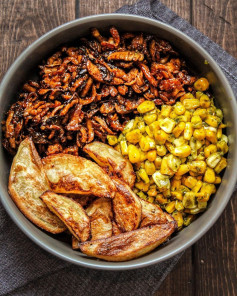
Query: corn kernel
182, 151
161, 200
199, 134
157, 162
128, 127
201, 84
213, 160
167, 125
183, 169
146, 143
149, 167
211, 136
150, 199
219, 133
217, 180
142, 195
188, 220
175, 184
191, 103
209, 176
160, 136
143, 175
205, 101
221, 165
179, 129
179, 108
222, 146
189, 181
187, 96
150, 118
148, 131
173, 162
198, 167
196, 121
189, 200
142, 186
173, 115
134, 154
124, 147
162, 181
152, 192
154, 126
178, 218
146, 106
141, 126
134, 136
161, 150
188, 131
164, 169
180, 142
197, 187
209, 150
202, 204
177, 195
112, 140
212, 120
151, 155
170, 207
165, 110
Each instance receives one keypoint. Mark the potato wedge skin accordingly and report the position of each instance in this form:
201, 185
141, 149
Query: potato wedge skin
153, 214
100, 213
27, 181
129, 245
70, 212
126, 207
107, 156
74, 174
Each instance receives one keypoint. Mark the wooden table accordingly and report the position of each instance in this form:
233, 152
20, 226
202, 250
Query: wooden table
208, 267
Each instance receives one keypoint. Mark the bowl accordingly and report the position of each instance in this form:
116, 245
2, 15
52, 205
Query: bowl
25, 67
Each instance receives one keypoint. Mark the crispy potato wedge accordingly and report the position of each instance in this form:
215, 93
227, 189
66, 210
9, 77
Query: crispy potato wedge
152, 214
126, 207
100, 213
74, 174
107, 156
70, 212
27, 181
129, 245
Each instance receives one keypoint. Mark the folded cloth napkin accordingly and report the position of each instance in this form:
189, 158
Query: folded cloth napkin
26, 269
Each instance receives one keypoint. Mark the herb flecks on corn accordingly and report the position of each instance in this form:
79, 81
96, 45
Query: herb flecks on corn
177, 152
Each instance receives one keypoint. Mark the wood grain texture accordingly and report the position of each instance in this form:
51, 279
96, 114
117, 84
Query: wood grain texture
22, 22
90, 7
180, 7
217, 20
179, 281
215, 256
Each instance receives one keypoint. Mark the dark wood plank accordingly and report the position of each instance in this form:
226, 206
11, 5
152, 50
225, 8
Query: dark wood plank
179, 281
215, 256
181, 7
90, 7
22, 22
217, 20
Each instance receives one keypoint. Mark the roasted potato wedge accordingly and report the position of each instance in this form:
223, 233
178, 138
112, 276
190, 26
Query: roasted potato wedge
152, 214
100, 213
126, 207
27, 181
107, 156
129, 245
70, 212
74, 174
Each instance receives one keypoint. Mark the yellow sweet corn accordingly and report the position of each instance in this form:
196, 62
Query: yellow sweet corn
209, 150
165, 110
189, 181
188, 131
179, 129
151, 155
179, 108
177, 195
150, 167
179, 205
175, 184
209, 176
162, 181
149, 118
212, 120
198, 167
200, 112
183, 169
222, 146
213, 160
217, 180
128, 127
141, 126
221, 165
188, 220
146, 106
124, 147
219, 133
161, 199
164, 169
205, 101
161, 150
134, 154
191, 103
173, 162
170, 207
112, 140
196, 121
157, 162
182, 151
143, 175
150, 199
142, 195
167, 125
160, 137
142, 186
199, 134
197, 187
189, 200
152, 192
178, 218
201, 84
134, 136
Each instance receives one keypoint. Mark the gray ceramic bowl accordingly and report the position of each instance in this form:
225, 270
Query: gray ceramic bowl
23, 69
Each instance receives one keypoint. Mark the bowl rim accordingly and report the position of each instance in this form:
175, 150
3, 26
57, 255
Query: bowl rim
128, 264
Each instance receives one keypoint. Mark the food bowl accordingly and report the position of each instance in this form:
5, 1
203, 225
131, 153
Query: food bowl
25, 67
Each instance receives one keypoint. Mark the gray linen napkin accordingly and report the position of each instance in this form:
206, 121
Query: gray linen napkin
26, 269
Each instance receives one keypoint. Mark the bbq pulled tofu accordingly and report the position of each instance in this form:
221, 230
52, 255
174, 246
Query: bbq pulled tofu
70, 212
107, 156
129, 245
126, 207
100, 214
27, 181
73, 174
